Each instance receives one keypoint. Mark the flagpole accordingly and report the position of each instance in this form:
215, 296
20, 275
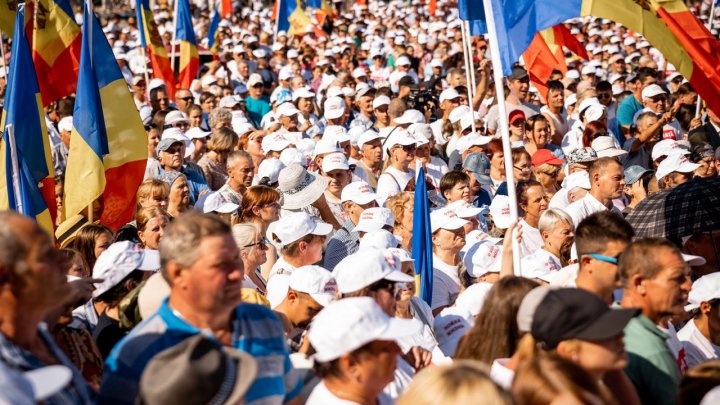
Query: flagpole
472, 63
466, 54
174, 35
145, 71
277, 20
504, 127
15, 169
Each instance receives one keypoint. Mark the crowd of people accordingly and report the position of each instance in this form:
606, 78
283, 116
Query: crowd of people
270, 257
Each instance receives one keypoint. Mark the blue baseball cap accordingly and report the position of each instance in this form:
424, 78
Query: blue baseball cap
479, 164
634, 173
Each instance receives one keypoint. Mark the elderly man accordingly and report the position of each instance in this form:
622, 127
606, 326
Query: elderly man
364, 103
240, 170
607, 180
201, 264
655, 278
32, 285
184, 99
171, 152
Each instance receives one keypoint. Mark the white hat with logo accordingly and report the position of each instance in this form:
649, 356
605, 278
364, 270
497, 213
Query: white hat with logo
375, 267
315, 281
294, 226
118, 261
445, 219
375, 218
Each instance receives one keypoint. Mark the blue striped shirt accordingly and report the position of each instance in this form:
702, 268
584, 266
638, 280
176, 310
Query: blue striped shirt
255, 330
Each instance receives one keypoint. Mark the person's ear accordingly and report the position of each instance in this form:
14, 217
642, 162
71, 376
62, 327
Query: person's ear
291, 296
705, 308
173, 273
639, 284
141, 236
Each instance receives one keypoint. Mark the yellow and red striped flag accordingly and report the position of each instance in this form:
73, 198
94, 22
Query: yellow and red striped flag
150, 39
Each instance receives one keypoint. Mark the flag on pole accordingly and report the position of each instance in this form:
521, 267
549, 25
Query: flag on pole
26, 182
422, 240
8, 11
108, 152
189, 57
226, 8
55, 40
212, 39
150, 39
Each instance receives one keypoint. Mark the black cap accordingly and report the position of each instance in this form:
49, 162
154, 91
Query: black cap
518, 73
573, 313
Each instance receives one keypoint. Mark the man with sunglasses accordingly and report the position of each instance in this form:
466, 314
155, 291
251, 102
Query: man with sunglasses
655, 100
184, 99
599, 239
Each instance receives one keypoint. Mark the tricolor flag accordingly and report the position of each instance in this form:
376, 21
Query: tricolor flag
213, 43
108, 151
55, 39
150, 39
668, 25
189, 57
422, 240
26, 166
226, 8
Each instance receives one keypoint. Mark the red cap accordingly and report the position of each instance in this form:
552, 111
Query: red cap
543, 156
514, 115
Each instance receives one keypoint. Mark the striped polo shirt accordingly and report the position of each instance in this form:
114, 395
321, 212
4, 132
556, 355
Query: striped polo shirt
256, 330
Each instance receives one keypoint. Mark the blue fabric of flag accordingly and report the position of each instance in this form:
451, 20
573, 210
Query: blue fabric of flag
422, 240
184, 28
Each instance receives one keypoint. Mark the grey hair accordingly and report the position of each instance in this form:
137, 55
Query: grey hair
182, 238
219, 114
235, 157
245, 234
552, 217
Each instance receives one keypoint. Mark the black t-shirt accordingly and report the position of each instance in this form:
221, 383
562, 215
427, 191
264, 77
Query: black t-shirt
107, 333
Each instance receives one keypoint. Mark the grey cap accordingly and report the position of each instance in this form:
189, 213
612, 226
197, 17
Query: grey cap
635, 173
528, 306
166, 143
518, 73
479, 164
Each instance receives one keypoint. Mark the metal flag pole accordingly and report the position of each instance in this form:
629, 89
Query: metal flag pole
472, 64
145, 71
468, 67
504, 127
174, 35
15, 170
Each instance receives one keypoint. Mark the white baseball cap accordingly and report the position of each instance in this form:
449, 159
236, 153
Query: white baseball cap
334, 108
315, 281
335, 161
294, 226
470, 140
449, 94
302, 92
177, 134
675, 162
375, 218
463, 209
436, 63
667, 147
403, 61
445, 219
380, 239
704, 289
577, 179
350, 323
367, 136
458, 113
215, 202
595, 112
411, 116
380, 101
287, 109
277, 288
254, 79
325, 146
230, 101
197, 133
285, 74
358, 192
270, 168
375, 267
174, 117
65, 124
652, 91
336, 133
472, 298
118, 261
399, 137
359, 72
500, 211
450, 325
604, 146
274, 142
483, 257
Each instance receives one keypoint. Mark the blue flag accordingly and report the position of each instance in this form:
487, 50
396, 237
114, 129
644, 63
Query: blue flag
516, 22
422, 241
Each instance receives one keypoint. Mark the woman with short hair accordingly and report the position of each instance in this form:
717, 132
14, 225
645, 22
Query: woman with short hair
213, 163
261, 207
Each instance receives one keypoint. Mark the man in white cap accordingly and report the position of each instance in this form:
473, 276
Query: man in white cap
371, 156
356, 197
311, 289
649, 131
61, 149
517, 99
675, 170
630, 105
701, 335
380, 106
448, 237
365, 117
449, 99
654, 98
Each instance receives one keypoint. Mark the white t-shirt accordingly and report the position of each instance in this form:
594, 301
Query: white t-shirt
675, 347
391, 182
281, 267
501, 374
541, 265
698, 348
446, 284
531, 239
321, 395
585, 207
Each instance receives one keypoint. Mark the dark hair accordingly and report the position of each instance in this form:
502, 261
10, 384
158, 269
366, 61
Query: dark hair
256, 196
495, 333
332, 368
205, 95
84, 242
452, 178
597, 230
555, 85
593, 129
644, 72
698, 381
522, 187
685, 114
603, 85
113, 296
685, 89
493, 147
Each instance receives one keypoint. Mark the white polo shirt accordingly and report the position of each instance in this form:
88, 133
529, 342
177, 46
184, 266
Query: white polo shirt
698, 348
585, 207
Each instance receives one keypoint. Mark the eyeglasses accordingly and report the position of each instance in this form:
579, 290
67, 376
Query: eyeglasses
554, 174
518, 123
522, 168
262, 244
603, 258
187, 99
407, 148
660, 99
257, 85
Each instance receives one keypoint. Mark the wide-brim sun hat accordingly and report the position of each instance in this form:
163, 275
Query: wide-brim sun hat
299, 187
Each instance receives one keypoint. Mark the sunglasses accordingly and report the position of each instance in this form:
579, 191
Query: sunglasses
518, 123
603, 258
262, 244
187, 99
658, 99
407, 148
257, 85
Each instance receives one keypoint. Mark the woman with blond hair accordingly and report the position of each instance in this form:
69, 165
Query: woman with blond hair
222, 142
151, 222
151, 193
401, 205
462, 382
253, 253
